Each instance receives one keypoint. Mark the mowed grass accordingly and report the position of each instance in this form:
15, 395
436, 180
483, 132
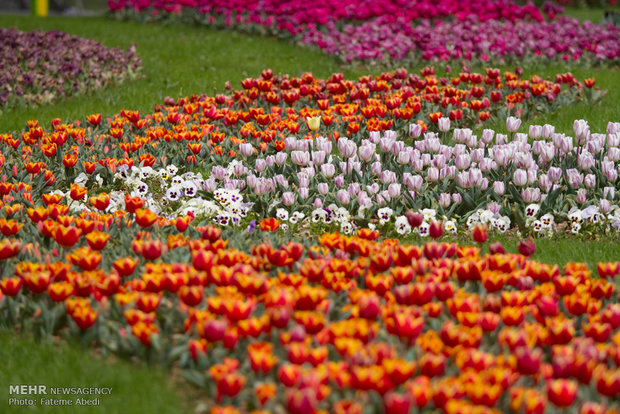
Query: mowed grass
562, 250
135, 389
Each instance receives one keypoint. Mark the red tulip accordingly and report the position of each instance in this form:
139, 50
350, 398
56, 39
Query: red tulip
528, 360
11, 286
608, 269
480, 233
562, 392
435, 229
414, 219
301, 401
100, 202
527, 247
397, 403
125, 266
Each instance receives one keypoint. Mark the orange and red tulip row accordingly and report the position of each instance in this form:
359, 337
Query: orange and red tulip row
307, 326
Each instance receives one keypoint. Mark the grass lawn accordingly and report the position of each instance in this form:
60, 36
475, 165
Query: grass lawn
135, 389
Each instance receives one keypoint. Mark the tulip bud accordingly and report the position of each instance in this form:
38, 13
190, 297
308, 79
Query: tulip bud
480, 233
527, 247
414, 219
496, 248
435, 230
513, 124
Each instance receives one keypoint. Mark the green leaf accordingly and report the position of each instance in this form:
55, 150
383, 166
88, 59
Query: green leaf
194, 377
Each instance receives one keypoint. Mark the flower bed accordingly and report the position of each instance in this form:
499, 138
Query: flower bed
42, 67
303, 328
108, 241
291, 15
562, 39
321, 154
500, 31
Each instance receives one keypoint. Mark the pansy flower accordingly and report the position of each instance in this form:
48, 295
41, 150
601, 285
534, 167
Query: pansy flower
346, 227
189, 188
174, 193
318, 215
547, 220
449, 226
282, 214
537, 225
402, 225
384, 214
423, 229
296, 217
172, 170
532, 210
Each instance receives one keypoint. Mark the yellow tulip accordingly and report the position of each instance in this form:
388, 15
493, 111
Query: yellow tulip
313, 122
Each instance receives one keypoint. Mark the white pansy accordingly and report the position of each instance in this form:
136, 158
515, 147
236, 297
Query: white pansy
423, 229
450, 226
429, 214
318, 215
190, 188
402, 225
346, 228
282, 214
486, 216
172, 170
547, 220
174, 193
384, 214
532, 210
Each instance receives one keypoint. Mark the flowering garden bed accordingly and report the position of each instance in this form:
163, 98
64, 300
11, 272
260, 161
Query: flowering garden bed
388, 31
163, 236
43, 67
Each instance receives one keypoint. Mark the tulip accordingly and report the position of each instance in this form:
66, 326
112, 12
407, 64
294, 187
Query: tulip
480, 233
445, 200
435, 230
513, 124
562, 392
246, 149
527, 247
444, 124
100, 202
397, 403
288, 198
582, 130
300, 157
11, 286
84, 316
313, 123
415, 130
414, 219
496, 248
343, 197
528, 360
519, 177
